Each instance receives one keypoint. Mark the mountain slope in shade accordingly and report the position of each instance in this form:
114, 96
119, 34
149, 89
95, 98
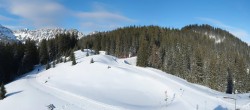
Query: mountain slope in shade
112, 84
6, 35
39, 34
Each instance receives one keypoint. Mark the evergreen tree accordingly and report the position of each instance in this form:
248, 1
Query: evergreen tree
30, 57
48, 66
53, 64
87, 53
64, 60
52, 49
229, 82
2, 92
18, 55
61, 60
43, 52
92, 60
73, 59
64, 43
142, 53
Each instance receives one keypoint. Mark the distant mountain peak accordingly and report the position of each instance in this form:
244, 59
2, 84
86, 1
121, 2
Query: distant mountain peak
44, 33
6, 34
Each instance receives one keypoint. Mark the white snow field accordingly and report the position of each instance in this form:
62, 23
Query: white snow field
112, 84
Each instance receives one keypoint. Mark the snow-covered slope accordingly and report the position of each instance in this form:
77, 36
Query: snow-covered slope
112, 84
40, 34
6, 34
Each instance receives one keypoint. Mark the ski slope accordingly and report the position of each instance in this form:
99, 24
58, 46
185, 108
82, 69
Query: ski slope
112, 84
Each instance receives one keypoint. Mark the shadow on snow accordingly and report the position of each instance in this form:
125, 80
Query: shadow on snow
13, 93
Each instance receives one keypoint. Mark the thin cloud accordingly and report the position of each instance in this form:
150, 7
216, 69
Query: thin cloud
91, 26
36, 12
50, 13
213, 21
98, 26
241, 33
4, 18
14, 27
104, 16
101, 19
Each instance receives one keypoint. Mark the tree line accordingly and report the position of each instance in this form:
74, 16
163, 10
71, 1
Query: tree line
192, 53
19, 58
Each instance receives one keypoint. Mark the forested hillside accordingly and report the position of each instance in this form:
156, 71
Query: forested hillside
198, 53
19, 58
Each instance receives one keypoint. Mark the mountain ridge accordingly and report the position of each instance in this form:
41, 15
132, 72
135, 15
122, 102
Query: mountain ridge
8, 35
44, 33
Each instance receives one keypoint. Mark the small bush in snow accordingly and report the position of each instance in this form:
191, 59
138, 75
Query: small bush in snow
92, 60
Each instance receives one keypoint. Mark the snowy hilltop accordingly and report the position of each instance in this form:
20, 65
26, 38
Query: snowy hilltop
109, 83
6, 34
46, 33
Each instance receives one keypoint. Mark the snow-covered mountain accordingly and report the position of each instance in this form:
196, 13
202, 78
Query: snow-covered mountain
112, 84
46, 33
6, 35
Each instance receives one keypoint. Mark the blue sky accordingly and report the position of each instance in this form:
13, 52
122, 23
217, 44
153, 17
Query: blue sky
102, 15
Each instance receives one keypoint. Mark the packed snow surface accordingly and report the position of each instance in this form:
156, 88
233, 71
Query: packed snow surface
112, 84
